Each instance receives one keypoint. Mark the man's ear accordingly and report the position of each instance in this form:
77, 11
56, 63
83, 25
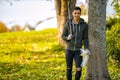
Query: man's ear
80, 13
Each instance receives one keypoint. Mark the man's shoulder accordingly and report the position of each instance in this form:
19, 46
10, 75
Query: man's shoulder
68, 22
82, 20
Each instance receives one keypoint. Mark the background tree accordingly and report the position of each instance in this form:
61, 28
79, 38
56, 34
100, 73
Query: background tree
3, 27
97, 65
15, 28
83, 9
62, 15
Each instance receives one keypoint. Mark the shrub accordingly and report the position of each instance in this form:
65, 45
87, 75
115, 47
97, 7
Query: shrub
112, 21
113, 43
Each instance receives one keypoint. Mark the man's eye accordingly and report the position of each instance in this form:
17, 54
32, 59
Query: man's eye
77, 13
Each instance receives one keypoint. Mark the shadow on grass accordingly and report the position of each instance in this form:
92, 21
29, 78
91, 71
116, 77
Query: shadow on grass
35, 71
11, 71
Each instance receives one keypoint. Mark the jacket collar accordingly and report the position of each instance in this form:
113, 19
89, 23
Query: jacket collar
81, 20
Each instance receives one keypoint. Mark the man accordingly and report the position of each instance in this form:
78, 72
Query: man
75, 33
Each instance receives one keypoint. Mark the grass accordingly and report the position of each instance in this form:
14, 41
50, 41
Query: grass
31, 56
34, 56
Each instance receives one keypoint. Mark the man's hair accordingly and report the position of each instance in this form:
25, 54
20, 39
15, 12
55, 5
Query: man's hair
77, 8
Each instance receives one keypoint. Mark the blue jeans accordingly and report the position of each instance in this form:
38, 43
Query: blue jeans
70, 55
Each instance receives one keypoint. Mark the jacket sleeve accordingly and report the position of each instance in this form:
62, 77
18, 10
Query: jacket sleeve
65, 32
85, 37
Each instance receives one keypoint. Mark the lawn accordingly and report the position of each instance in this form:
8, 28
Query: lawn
34, 55
31, 56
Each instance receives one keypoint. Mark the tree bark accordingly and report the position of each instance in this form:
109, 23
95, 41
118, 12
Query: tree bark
97, 64
62, 15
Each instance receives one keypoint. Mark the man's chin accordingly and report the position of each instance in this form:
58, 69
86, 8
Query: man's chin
77, 17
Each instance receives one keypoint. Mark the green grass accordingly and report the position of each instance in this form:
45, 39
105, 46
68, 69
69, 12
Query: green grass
33, 56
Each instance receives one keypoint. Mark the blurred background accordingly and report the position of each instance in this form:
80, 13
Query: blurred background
36, 14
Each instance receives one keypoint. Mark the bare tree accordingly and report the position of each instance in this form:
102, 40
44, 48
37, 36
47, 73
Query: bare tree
97, 64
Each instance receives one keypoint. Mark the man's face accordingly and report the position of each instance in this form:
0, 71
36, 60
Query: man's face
76, 14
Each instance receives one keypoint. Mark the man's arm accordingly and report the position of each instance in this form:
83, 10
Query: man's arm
65, 34
85, 38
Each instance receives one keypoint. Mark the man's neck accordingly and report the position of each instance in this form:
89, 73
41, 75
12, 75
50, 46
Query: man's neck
76, 21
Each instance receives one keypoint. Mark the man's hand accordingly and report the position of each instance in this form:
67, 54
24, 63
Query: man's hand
69, 37
88, 51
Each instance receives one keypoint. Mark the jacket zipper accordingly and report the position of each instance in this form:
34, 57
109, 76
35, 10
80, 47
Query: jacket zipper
75, 36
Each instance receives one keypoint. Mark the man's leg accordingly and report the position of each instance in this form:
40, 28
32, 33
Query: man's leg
69, 62
78, 61
78, 73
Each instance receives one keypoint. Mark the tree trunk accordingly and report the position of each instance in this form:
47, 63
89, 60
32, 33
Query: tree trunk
97, 64
62, 15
